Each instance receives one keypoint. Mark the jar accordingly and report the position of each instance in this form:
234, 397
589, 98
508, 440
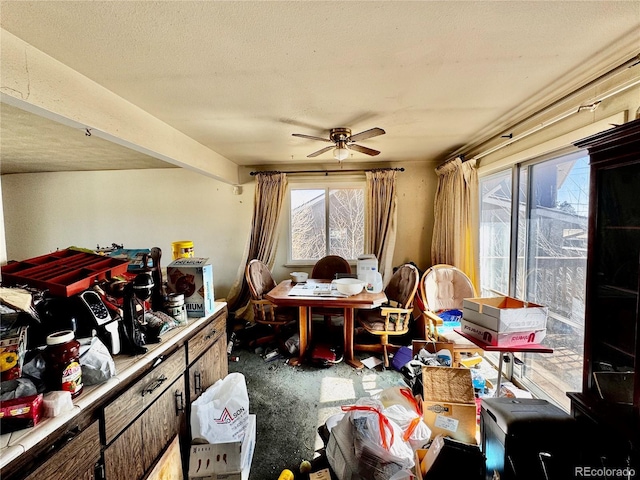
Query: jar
174, 306
182, 249
62, 362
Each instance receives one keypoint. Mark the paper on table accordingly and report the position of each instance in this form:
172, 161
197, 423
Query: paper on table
315, 289
371, 362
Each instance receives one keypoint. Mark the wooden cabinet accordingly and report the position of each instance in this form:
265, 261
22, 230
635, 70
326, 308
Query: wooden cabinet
141, 443
75, 459
126, 429
207, 353
136, 399
609, 403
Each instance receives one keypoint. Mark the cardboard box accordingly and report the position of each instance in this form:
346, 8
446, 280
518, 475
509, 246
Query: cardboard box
13, 344
20, 413
508, 339
505, 314
448, 403
193, 277
224, 461
419, 468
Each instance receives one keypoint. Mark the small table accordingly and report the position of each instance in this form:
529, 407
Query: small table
280, 295
529, 348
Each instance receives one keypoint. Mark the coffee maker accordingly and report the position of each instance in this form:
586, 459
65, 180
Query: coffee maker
84, 313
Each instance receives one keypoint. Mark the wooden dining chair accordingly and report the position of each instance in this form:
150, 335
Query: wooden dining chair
394, 317
260, 282
330, 267
443, 287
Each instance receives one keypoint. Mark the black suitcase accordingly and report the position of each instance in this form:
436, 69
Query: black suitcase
527, 439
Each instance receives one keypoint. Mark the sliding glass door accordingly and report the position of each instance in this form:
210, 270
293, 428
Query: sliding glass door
534, 246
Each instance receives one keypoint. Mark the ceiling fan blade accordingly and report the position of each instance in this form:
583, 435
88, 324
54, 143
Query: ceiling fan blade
361, 149
320, 152
373, 132
301, 135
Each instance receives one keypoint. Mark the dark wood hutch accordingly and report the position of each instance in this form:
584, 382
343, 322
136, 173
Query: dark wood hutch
608, 408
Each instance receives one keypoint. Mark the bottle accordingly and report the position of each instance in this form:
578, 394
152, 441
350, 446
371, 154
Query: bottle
62, 363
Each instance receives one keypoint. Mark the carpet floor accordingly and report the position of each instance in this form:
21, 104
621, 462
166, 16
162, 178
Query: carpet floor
290, 404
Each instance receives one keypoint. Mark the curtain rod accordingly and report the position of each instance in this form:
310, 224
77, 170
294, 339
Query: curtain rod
327, 172
632, 62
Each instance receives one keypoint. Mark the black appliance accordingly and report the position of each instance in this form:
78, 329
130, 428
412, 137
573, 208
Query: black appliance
527, 439
84, 313
455, 460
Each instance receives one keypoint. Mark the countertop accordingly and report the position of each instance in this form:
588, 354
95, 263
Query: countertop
16, 443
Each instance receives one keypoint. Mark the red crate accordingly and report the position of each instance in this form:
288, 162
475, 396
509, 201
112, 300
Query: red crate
63, 273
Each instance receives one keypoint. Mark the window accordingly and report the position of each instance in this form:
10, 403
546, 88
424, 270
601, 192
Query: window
326, 221
539, 254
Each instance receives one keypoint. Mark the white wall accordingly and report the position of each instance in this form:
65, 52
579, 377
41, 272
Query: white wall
138, 208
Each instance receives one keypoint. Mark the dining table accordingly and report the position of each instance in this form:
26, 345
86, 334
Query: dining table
315, 293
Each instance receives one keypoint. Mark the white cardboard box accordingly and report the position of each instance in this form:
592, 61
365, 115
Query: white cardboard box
498, 339
193, 277
224, 461
505, 314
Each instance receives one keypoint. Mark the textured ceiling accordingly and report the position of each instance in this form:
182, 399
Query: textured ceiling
241, 77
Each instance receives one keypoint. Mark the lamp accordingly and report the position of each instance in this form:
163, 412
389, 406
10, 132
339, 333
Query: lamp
341, 151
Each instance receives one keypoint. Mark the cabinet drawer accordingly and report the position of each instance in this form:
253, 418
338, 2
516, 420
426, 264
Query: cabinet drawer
76, 459
128, 406
206, 337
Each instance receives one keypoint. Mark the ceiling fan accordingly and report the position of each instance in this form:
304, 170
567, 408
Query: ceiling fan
343, 142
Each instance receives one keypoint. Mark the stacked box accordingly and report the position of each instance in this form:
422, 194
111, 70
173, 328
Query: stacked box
504, 321
193, 277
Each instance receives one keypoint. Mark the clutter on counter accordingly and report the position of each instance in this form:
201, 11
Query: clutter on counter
66, 314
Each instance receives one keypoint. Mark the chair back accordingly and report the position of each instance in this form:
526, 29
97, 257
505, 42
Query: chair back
329, 266
403, 285
443, 287
259, 279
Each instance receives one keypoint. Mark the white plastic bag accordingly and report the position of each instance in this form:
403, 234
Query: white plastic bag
402, 407
366, 445
415, 431
221, 413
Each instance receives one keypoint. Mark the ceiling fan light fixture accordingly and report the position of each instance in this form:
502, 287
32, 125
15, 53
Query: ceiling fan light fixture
340, 152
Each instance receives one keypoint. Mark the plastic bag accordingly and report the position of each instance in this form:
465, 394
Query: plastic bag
415, 431
221, 413
401, 406
365, 444
96, 362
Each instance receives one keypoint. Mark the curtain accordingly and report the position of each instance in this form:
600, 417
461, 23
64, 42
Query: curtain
455, 228
267, 207
381, 219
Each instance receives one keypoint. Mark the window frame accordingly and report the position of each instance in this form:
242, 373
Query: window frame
347, 181
512, 371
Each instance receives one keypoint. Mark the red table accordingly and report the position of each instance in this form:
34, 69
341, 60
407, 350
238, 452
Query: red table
529, 348
280, 295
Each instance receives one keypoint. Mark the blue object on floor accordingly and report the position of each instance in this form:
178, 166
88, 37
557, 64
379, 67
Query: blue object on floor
402, 356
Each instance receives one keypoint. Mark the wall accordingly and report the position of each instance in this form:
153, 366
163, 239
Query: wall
140, 209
